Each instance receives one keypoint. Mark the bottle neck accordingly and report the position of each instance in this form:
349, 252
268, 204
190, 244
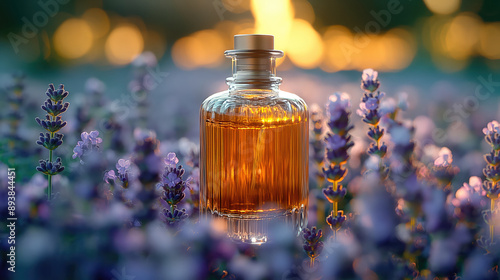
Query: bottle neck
253, 69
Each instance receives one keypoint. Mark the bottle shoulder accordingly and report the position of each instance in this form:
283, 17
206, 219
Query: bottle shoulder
278, 106
222, 101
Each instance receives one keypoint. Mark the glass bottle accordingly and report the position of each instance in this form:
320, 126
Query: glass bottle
254, 147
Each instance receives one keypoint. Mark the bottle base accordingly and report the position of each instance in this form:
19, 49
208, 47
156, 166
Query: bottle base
255, 230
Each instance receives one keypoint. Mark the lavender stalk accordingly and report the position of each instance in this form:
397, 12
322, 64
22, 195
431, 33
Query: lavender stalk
54, 106
338, 142
369, 111
492, 169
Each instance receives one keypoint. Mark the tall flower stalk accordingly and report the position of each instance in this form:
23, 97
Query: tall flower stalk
312, 243
173, 187
54, 106
338, 142
369, 111
492, 169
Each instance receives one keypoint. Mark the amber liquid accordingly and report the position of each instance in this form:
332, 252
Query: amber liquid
254, 171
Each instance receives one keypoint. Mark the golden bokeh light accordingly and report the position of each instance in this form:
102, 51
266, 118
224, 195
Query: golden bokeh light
273, 17
213, 47
201, 49
305, 46
184, 51
98, 21
304, 10
443, 7
336, 39
399, 47
462, 36
123, 44
73, 38
391, 51
489, 40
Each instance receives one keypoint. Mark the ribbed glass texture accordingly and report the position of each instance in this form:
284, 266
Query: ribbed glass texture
254, 158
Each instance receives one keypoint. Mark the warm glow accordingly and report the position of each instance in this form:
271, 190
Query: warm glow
123, 44
201, 49
305, 47
489, 40
443, 7
337, 40
399, 48
274, 17
213, 48
391, 51
462, 36
183, 52
73, 38
304, 10
98, 20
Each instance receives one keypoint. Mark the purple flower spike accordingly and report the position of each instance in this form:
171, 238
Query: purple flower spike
110, 175
122, 166
492, 128
338, 103
56, 94
335, 142
171, 160
312, 244
89, 142
369, 82
445, 158
335, 223
371, 103
334, 195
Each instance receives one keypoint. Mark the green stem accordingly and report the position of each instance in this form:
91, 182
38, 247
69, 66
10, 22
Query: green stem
49, 187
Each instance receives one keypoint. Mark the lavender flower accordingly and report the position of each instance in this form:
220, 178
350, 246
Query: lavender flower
443, 169
312, 243
335, 222
469, 199
492, 128
338, 103
89, 143
173, 187
445, 158
338, 142
50, 168
54, 106
173, 218
49, 143
369, 81
122, 167
335, 195
492, 169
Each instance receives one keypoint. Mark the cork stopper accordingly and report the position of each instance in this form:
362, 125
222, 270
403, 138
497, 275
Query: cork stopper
253, 42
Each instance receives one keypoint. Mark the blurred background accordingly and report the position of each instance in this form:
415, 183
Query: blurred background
444, 54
